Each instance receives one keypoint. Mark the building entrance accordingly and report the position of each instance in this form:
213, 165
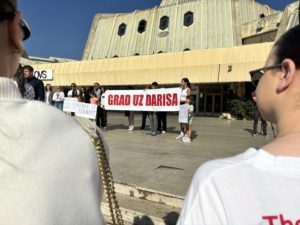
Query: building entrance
210, 100
213, 104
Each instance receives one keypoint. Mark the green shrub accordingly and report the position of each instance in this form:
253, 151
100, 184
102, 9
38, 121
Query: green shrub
250, 109
241, 109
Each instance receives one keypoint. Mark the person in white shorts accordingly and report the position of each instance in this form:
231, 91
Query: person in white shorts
187, 138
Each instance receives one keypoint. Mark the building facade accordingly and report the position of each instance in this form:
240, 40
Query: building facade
171, 27
215, 43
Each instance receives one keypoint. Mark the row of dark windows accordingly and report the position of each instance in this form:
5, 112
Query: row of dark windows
159, 52
188, 20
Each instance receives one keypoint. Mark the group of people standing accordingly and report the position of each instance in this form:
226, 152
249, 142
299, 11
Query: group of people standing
158, 120
54, 179
29, 86
32, 88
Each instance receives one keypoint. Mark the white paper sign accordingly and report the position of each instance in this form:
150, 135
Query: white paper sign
183, 113
70, 104
86, 110
44, 74
80, 108
164, 99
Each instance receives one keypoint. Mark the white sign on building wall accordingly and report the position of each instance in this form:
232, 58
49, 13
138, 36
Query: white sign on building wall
44, 74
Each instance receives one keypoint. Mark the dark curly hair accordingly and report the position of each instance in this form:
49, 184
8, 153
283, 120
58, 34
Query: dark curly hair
288, 46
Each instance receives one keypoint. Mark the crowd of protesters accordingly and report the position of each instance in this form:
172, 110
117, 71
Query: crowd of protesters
33, 89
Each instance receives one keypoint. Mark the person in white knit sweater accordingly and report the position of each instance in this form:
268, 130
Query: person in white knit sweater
46, 177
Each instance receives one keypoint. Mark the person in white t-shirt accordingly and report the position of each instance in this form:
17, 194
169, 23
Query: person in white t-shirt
73, 93
58, 98
258, 186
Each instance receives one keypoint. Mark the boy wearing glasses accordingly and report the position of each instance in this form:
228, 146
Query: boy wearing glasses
259, 186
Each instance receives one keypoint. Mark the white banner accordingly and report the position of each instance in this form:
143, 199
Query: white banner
164, 99
81, 109
183, 116
43, 74
86, 110
70, 104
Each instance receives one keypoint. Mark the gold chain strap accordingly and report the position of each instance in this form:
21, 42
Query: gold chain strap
107, 181
104, 169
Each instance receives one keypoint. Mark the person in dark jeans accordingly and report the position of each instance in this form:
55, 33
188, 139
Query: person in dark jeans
162, 122
144, 117
258, 117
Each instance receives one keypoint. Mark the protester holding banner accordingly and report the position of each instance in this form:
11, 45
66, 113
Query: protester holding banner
145, 114
73, 92
58, 98
85, 95
130, 116
49, 169
185, 91
161, 122
38, 85
153, 116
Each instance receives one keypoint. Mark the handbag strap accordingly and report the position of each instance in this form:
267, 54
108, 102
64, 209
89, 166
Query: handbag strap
104, 169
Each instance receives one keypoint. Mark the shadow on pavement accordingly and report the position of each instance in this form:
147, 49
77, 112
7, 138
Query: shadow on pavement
170, 219
144, 220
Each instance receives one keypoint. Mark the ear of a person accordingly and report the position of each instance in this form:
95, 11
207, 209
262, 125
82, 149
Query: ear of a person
287, 76
15, 33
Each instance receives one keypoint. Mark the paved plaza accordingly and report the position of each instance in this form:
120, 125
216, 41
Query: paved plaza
167, 165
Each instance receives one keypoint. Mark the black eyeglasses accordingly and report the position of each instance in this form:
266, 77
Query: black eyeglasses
258, 73
23, 25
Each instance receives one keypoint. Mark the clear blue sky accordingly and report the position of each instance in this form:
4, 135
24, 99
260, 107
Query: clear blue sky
60, 27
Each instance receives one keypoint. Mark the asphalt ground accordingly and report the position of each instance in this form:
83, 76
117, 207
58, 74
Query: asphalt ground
165, 164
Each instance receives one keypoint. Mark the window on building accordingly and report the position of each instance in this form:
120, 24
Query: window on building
164, 23
262, 15
122, 29
142, 26
188, 19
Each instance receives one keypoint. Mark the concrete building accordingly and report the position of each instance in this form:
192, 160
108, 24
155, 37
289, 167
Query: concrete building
212, 42
173, 26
